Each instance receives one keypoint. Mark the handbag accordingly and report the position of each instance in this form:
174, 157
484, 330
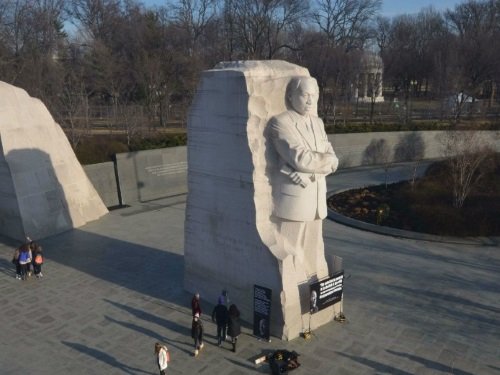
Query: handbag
38, 259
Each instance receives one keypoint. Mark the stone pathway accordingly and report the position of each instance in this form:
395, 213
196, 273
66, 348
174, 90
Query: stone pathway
114, 287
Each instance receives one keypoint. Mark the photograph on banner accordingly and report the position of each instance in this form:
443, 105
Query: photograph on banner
326, 292
262, 312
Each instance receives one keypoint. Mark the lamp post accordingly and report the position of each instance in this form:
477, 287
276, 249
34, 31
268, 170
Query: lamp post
413, 84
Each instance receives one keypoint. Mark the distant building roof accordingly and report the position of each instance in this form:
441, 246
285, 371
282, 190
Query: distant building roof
371, 60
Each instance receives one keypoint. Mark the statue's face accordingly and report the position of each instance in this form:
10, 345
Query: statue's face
305, 97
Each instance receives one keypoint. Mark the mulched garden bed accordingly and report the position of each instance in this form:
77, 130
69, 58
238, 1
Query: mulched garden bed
426, 206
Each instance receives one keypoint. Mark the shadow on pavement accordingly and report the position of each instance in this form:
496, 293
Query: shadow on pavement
150, 333
448, 298
377, 366
431, 364
149, 271
7, 268
452, 306
106, 358
165, 323
264, 369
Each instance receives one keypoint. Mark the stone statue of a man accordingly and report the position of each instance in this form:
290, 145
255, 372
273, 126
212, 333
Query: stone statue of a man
306, 157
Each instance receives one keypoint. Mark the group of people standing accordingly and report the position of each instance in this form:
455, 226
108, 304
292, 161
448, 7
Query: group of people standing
28, 259
227, 320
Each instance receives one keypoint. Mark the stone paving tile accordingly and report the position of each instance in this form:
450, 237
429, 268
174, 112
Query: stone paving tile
114, 287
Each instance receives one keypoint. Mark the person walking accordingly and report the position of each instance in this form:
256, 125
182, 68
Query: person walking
234, 327
197, 333
195, 304
162, 357
220, 316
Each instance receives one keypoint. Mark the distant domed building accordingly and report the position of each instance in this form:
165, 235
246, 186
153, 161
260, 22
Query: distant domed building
369, 80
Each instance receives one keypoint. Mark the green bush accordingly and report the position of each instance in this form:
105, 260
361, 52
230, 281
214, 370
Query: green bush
160, 141
364, 127
99, 149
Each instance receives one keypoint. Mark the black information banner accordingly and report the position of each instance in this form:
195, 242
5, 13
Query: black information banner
326, 292
261, 311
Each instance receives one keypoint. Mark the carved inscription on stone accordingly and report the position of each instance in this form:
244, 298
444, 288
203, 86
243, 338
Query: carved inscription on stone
167, 169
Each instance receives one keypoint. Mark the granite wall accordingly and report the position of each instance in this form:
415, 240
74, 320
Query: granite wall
154, 174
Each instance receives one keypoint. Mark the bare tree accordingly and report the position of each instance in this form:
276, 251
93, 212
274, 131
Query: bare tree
382, 32
375, 66
73, 110
95, 19
474, 65
415, 50
193, 17
5, 52
130, 119
378, 152
346, 22
466, 153
410, 148
31, 32
259, 28
334, 68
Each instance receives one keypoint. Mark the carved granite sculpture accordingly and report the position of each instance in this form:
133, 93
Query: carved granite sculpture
306, 157
43, 188
242, 225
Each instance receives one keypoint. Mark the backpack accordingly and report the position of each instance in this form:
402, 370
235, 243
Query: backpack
38, 259
167, 353
24, 256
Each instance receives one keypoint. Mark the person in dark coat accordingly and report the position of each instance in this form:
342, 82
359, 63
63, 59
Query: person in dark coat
197, 333
36, 251
220, 316
234, 327
195, 304
15, 261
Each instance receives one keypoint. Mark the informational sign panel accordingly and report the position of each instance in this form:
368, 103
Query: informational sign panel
326, 292
261, 311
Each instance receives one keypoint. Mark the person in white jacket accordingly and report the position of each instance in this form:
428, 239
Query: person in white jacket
162, 356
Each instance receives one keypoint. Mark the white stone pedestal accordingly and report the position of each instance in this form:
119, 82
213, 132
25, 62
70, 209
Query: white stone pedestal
229, 231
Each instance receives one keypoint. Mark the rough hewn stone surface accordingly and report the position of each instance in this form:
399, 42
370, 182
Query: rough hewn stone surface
102, 176
43, 188
229, 231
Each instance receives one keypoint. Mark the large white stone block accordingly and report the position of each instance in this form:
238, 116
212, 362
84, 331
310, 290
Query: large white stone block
229, 231
43, 188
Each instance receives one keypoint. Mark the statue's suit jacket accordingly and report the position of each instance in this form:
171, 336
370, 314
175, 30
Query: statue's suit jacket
308, 152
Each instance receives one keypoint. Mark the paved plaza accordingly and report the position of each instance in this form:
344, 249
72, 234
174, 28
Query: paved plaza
114, 287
